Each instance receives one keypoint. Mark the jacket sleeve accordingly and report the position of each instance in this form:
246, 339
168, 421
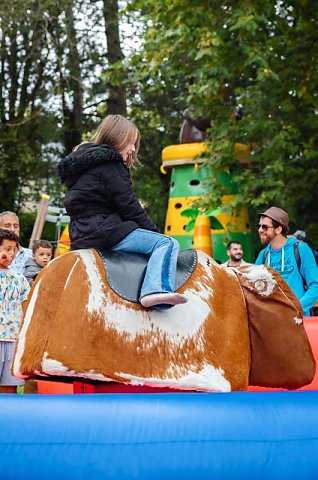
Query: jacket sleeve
30, 273
309, 271
126, 203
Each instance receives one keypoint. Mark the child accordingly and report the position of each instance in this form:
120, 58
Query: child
41, 255
14, 289
105, 213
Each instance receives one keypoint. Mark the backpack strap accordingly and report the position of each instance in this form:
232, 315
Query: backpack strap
297, 255
298, 261
265, 255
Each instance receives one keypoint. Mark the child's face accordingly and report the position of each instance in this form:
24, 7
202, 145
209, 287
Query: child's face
129, 149
8, 250
42, 256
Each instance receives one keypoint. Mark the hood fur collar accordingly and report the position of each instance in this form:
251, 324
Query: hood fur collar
87, 156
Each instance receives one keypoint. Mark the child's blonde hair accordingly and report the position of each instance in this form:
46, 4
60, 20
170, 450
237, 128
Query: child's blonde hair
117, 131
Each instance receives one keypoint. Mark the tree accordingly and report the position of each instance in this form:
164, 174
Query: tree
24, 87
116, 102
154, 105
73, 116
51, 63
251, 68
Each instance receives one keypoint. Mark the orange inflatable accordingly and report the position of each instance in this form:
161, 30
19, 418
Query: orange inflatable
64, 244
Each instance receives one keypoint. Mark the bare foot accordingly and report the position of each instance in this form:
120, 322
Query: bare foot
163, 299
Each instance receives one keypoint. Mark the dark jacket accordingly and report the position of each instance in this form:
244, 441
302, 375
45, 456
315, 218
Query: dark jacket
31, 270
100, 199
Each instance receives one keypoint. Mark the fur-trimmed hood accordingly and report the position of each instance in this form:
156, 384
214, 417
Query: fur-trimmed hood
87, 156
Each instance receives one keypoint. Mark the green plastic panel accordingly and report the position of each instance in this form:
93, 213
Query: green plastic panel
187, 181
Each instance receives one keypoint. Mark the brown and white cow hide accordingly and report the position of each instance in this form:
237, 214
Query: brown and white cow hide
76, 327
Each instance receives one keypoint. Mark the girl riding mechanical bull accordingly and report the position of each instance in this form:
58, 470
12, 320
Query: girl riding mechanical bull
90, 315
105, 213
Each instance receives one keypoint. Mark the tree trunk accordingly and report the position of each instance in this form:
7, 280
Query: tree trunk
73, 116
116, 102
23, 43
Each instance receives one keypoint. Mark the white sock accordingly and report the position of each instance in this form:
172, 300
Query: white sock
163, 298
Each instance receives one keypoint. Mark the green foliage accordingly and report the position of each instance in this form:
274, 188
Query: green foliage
251, 67
27, 125
192, 213
26, 226
152, 109
27, 220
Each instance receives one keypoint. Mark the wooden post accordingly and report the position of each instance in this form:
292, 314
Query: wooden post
40, 219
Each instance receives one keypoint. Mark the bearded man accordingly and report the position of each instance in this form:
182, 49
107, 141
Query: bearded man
293, 260
234, 251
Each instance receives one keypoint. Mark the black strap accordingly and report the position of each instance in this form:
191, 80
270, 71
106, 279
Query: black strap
298, 260
265, 255
297, 255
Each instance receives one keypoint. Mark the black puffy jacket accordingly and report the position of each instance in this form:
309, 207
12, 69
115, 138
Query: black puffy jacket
100, 199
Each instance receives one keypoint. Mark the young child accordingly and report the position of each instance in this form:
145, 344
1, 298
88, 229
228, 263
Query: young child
105, 213
14, 289
41, 255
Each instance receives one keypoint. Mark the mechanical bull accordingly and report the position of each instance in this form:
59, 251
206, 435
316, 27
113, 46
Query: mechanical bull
238, 328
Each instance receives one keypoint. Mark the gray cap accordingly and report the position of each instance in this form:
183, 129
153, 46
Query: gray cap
300, 235
277, 214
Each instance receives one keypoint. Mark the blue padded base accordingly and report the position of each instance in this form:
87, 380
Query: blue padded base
160, 436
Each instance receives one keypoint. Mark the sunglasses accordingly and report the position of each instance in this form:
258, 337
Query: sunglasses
264, 227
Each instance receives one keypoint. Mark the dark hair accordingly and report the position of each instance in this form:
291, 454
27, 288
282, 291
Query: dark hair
229, 245
285, 230
8, 235
40, 243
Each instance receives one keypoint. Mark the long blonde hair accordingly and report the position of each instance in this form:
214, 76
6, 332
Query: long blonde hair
117, 131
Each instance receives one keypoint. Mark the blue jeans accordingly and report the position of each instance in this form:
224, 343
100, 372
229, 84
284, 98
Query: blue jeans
163, 251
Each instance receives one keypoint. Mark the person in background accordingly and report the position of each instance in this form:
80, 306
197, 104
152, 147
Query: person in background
10, 221
301, 236
234, 251
14, 290
105, 213
41, 255
281, 254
